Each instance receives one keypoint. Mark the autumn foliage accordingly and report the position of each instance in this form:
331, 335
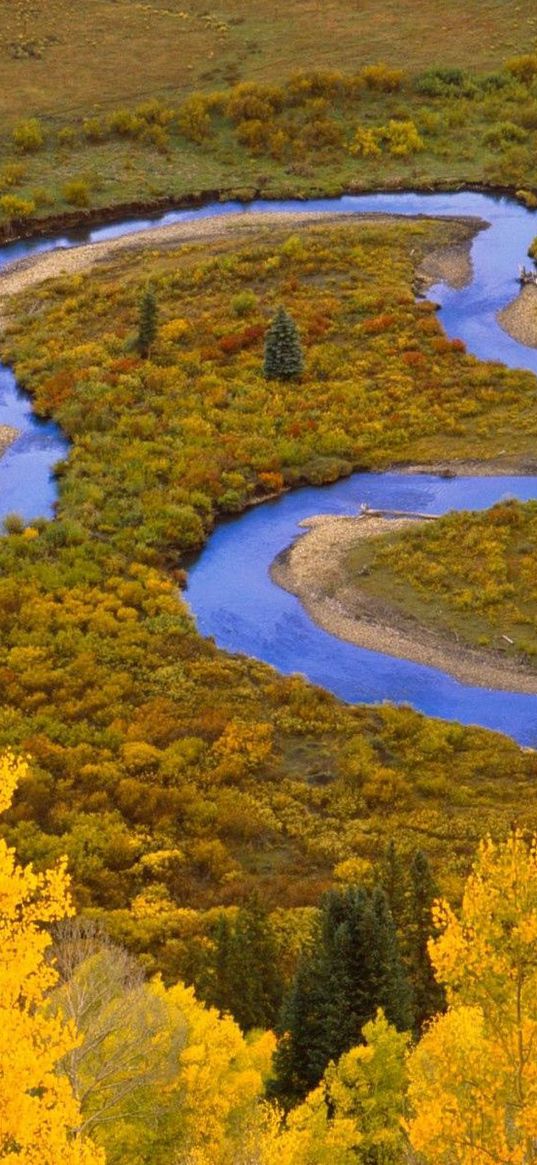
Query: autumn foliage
175, 779
39, 1115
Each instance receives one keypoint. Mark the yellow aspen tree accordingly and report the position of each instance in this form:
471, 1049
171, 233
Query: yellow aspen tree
308, 1137
473, 1076
354, 1115
39, 1116
219, 1079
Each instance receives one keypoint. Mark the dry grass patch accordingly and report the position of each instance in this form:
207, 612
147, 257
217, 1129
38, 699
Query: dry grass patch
58, 58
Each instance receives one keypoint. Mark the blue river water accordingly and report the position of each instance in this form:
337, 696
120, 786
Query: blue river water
230, 591
236, 602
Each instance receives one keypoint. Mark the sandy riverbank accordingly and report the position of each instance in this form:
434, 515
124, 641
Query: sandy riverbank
53, 264
503, 465
451, 265
312, 569
7, 436
519, 318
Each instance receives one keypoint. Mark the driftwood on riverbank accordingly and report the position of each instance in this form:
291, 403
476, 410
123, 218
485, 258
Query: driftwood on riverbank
367, 512
525, 276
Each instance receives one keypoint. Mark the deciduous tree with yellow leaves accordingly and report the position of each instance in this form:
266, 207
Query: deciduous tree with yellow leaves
39, 1116
473, 1076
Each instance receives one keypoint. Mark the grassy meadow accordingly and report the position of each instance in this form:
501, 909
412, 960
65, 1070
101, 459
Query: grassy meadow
300, 132
57, 61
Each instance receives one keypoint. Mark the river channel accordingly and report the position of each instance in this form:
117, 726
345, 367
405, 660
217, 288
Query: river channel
230, 591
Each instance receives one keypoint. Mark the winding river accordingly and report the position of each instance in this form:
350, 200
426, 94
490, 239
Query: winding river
230, 591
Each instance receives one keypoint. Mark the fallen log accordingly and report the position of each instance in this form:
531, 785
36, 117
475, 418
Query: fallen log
367, 512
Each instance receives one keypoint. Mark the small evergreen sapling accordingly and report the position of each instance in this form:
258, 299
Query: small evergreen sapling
283, 351
147, 321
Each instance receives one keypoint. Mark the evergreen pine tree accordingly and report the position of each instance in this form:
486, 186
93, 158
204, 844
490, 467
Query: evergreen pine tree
217, 991
366, 969
428, 994
246, 981
147, 321
301, 1054
354, 968
283, 351
393, 879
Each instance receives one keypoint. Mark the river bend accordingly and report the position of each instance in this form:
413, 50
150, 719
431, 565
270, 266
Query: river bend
230, 591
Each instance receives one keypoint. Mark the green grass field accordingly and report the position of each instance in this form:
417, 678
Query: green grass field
61, 59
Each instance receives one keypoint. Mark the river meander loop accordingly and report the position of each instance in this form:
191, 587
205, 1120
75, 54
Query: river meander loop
230, 591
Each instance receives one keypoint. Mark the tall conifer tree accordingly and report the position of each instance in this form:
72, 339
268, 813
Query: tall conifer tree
428, 994
246, 980
147, 321
393, 879
283, 351
354, 968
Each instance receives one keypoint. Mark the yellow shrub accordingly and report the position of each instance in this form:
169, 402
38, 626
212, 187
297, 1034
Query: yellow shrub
174, 330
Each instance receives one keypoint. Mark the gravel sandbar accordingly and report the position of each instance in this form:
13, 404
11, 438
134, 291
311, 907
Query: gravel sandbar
312, 569
451, 265
8, 435
519, 318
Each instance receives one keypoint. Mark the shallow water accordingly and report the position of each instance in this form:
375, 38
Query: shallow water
230, 591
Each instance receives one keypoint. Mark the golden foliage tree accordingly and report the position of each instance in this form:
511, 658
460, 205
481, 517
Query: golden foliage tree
473, 1076
353, 1116
39, 1116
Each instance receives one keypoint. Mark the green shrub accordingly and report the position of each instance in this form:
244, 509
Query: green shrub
442, 83
66, 137
254, 135
365, 143
13, 208
154, 112
28, 136
322, 133
77, 192
244, 303
193, 118
527, 115
93, 129
42, 197
382, 78
504, 133
14, 524
157, 136
493, 82
523, 68
12, 174
125, 123
249, 101
402, 138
